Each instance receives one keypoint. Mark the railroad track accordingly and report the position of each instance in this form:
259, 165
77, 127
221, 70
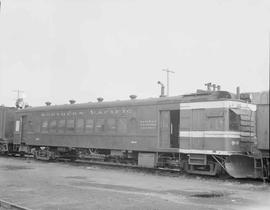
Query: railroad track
160, 171
4, 205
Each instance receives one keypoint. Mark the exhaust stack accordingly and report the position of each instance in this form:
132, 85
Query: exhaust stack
238, 92
208, 85
162, 89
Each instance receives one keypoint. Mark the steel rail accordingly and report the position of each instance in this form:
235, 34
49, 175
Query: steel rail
4, 205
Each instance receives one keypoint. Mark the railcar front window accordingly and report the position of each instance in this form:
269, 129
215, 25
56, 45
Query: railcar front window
234, 121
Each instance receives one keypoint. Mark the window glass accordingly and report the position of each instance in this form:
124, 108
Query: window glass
36, 126
122, 125
99, 125
89, 125
44, 126
70, 125
216, 123
79, 125
61, 126
165, 119
111, 124
29, 128
132, 125
53, 126
17, 126
234, 121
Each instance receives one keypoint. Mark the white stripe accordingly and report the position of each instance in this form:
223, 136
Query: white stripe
210, 134
217, 104
208, 152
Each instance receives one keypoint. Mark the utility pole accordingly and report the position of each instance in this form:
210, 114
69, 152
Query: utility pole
19, 101
168, 72
18, 93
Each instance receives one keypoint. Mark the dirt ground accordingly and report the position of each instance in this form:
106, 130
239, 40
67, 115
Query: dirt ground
63, 186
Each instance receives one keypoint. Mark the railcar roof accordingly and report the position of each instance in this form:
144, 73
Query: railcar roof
106, 104
131, 102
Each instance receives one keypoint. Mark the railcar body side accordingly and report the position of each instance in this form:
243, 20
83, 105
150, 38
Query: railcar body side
202, 133
121, 128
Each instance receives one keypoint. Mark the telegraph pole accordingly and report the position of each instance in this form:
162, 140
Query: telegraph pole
19, 101
168, 72
18, 93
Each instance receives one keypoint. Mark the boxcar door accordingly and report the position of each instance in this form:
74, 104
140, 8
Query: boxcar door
198, 128
165, 129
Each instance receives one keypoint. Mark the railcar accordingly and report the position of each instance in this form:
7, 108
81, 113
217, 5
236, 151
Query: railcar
7, 118
207, 132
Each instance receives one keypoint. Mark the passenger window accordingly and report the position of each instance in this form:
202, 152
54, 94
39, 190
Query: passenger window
79, 125
111, 124
53, 126
30, 128
61, 126
100, 125
70, 125
44, 126
122, 125
132, 125
234, 121
89, 125
36, 126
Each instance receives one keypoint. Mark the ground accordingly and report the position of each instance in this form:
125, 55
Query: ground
64, 186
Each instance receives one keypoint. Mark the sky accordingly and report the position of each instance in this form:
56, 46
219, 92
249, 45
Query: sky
57, 50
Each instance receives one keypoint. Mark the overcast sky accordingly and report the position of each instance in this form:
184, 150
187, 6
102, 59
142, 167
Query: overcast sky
56, 50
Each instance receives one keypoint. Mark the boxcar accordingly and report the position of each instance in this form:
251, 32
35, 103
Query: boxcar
7, 117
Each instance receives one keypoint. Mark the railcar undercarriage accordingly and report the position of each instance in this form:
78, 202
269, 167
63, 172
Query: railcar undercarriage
236, 166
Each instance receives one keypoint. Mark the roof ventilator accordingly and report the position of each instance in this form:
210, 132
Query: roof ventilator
100, 99
132, 97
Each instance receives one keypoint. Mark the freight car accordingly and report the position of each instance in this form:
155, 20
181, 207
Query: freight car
208, 132
7, 119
